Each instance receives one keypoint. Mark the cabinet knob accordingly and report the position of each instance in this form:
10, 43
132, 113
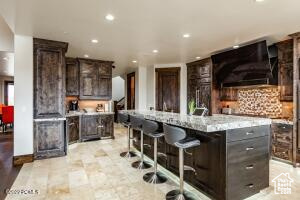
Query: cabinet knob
250, 186
249, 148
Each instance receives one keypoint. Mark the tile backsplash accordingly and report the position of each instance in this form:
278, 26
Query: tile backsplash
261, 102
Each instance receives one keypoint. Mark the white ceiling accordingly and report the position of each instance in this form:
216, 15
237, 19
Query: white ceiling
143, 25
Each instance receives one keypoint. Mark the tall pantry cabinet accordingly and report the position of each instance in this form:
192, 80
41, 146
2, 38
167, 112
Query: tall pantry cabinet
49, 98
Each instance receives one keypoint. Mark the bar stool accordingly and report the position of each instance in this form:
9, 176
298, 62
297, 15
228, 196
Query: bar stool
150, 128
177, 137
124, 120
136, 124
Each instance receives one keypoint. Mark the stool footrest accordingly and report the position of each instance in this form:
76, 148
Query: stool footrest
159, 154
189, 168
148, 146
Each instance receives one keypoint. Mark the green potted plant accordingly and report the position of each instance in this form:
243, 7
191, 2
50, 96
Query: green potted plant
192, 106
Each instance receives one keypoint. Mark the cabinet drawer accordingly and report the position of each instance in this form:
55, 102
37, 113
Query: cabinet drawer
246, 133
257, 166
243, 150
246, 189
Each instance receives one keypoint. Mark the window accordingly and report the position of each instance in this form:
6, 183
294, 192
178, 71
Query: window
9, 93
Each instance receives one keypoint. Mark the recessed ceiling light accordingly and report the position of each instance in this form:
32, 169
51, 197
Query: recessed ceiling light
86, 56
186, 35
198, 57
236, 46
109, 17
155, 51
5, 58
259, 0
134, 61
94, 41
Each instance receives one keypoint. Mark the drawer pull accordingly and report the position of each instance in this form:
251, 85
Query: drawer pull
71, 124
250, 186
100, 126
249, 133
249, 148
250, 167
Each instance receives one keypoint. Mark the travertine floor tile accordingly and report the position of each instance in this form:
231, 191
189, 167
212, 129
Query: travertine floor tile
94, 170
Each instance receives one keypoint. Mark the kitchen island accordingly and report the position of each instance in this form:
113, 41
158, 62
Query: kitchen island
232, 161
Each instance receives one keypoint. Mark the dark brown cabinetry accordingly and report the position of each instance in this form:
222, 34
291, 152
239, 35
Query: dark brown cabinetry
49, 78
72, 77
285, 66
282, 144
107, 128
229, 94
49, 98
73, 124
49, 139
97, 127
199, 83
95, 79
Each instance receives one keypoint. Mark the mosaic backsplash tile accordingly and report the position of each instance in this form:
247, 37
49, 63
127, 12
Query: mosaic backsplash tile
260, 101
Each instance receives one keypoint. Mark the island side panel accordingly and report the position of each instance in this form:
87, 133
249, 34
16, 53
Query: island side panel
208, 160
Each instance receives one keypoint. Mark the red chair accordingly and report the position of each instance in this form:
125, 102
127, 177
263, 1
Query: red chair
7, 116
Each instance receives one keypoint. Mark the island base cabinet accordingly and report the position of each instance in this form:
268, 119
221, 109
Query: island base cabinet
49, 139
230, 165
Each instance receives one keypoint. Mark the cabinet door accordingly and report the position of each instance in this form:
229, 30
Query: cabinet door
286, 81
88, 81
106, 128
49, 82
49, 139
89, 127
72, 77
104, 88
205, 95
73, 129
104, 69
282, 143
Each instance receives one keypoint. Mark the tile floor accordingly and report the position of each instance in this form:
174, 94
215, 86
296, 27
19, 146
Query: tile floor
94, 170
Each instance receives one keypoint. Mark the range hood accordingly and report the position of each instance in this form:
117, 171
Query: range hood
249, 66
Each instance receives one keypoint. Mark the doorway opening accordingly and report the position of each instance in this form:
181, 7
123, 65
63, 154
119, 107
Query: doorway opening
131, 91
167, 82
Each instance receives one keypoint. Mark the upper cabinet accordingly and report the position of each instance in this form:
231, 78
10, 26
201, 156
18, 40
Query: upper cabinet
72, 77
285, 69
49, 78
95, 79
199, 82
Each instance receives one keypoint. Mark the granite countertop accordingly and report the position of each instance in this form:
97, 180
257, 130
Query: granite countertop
282, 121
217, 122
77, 113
